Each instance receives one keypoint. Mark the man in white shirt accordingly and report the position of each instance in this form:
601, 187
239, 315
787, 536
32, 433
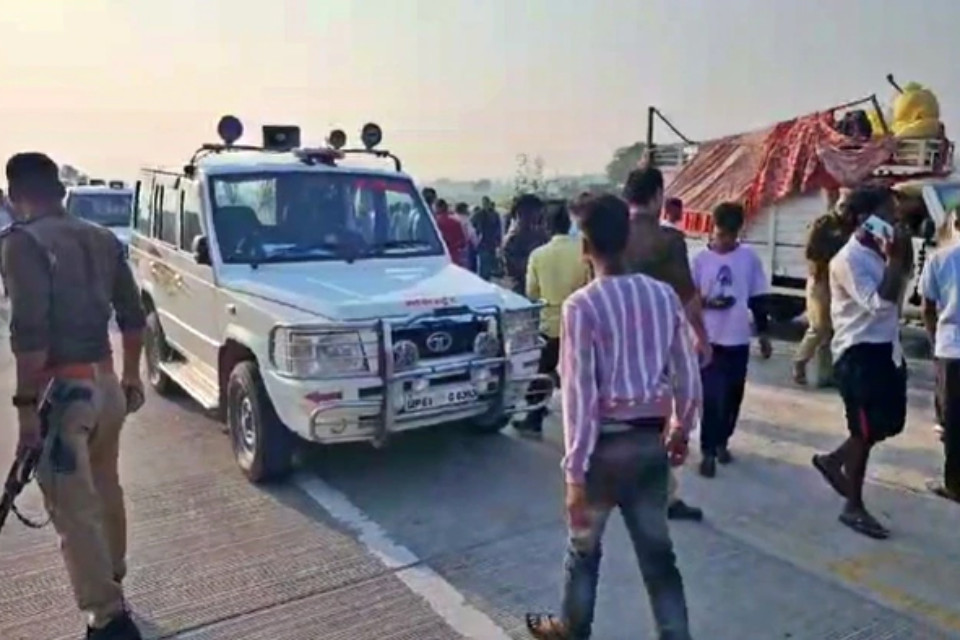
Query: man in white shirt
866, 279
939, 284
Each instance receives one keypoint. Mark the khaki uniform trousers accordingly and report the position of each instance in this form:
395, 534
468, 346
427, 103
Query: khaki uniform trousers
816, 341
79, 478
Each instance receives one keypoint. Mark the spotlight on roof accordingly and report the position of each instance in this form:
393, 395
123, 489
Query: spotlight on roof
229, 129
337, 139
371, 135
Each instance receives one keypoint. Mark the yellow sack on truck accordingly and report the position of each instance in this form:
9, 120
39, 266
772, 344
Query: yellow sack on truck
916, 113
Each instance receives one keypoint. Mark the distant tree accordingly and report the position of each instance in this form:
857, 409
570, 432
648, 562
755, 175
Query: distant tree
70, 174
625, 160
529, 175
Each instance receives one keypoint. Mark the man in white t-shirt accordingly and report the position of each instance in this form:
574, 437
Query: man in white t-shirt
939, 284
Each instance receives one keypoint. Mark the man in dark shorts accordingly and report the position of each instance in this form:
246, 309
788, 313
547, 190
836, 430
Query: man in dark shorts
661, 253
866, 279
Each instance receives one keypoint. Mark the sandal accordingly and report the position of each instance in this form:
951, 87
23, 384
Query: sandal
833, 476
865, 524
546, 626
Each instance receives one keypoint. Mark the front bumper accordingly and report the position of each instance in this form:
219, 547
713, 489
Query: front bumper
373, 407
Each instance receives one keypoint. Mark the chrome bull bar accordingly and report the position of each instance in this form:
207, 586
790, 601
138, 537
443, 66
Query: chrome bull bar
388, 413
387, 421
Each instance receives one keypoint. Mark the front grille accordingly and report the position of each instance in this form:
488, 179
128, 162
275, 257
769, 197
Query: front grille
457, 337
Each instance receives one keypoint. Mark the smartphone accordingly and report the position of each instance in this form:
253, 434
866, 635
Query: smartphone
878, 228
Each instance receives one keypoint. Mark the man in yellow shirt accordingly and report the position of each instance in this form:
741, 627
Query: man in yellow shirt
554, 271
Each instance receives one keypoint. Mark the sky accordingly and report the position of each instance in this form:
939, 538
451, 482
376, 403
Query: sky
460, 87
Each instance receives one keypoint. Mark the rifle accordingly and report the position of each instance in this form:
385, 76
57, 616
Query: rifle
22, 473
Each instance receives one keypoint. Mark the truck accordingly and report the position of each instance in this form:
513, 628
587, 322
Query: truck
785, 175
306, 297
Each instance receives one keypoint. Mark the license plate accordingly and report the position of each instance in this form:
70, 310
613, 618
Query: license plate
440, 398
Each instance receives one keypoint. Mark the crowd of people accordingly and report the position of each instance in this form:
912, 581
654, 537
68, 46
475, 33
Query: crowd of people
648, 344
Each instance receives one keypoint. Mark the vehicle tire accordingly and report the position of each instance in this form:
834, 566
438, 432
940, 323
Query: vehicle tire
785, 308
488, 426
156, 351
262, 444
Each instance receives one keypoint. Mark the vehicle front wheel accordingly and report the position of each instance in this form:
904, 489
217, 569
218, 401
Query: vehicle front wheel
157, 352
262, 444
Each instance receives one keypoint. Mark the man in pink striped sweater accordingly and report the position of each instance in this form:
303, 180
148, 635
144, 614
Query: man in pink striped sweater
626, 365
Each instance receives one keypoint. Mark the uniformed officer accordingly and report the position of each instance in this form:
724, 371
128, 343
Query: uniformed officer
64, 276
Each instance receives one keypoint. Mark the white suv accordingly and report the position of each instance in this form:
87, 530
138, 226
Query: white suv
301, 296
108, 205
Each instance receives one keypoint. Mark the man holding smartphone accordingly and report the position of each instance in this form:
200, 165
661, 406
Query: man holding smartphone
866, 281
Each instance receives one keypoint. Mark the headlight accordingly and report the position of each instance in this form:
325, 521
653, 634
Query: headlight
304, 354
521, 330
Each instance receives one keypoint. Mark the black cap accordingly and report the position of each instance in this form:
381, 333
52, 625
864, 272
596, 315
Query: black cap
33, 174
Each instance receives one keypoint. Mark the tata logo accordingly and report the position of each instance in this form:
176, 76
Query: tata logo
439, 342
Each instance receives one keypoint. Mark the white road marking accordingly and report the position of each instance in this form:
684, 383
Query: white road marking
443, 597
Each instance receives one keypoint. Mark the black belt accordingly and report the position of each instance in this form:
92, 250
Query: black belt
634, 425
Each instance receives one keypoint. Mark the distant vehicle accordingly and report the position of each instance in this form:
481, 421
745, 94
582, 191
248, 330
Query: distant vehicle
307, 298
109, 205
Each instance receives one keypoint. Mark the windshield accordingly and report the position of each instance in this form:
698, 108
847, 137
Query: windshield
949, 195
108, 209
301, 216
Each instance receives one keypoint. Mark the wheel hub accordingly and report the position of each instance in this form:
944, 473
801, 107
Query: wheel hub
246, 424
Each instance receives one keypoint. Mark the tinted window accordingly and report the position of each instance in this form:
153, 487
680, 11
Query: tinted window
142, 207
108, 209
319, 216
191, 226
170, 204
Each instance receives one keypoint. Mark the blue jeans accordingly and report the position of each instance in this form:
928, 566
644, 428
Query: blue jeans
630, 472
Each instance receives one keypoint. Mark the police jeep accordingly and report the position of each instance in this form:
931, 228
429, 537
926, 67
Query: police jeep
306, 296
106, 204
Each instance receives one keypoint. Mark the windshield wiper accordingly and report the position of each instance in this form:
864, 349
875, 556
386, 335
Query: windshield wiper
306, 247
400, 244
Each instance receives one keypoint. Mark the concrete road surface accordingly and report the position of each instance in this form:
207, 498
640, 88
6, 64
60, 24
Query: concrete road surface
445, 535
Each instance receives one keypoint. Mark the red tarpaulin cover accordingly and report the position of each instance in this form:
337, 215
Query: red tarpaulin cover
762, 167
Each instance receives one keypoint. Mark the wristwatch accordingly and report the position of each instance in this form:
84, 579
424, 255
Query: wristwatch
24, 402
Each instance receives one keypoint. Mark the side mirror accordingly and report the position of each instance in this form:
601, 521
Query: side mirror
201, 250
